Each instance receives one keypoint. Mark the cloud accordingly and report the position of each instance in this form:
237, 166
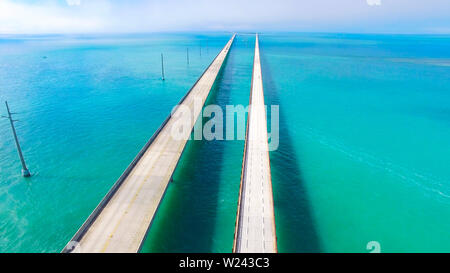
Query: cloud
79, 16
374, 2
16, 17
73, 2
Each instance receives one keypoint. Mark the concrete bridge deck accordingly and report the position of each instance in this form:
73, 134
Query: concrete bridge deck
121, 221
255, 223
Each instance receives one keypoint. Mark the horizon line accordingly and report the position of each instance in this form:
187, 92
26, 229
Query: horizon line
225, 31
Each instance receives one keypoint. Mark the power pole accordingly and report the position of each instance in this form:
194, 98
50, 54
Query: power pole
162, 66
25, 171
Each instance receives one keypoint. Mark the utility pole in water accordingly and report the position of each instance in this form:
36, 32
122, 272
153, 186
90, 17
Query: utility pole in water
162, 66
25, 171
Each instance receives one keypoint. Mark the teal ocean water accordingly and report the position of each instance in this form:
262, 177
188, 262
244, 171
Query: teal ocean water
364, 138
364, 145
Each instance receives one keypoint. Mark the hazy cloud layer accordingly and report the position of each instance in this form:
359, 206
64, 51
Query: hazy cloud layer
374, 2
64, 16
73, 2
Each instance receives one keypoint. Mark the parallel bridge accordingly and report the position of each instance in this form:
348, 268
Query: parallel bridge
255, 221
121, 220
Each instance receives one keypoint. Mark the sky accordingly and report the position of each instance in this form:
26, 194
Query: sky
131, 16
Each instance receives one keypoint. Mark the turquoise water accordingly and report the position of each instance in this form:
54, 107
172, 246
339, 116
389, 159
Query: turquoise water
364, 138
365, 141
85, 111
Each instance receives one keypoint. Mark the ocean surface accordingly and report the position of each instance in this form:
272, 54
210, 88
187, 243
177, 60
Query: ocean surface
364, 137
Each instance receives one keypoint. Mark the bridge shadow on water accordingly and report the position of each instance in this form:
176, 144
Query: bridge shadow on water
185, 221
296, 231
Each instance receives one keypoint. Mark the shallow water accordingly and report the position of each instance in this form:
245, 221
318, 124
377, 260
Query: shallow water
364, 141
364, 138
87, 105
